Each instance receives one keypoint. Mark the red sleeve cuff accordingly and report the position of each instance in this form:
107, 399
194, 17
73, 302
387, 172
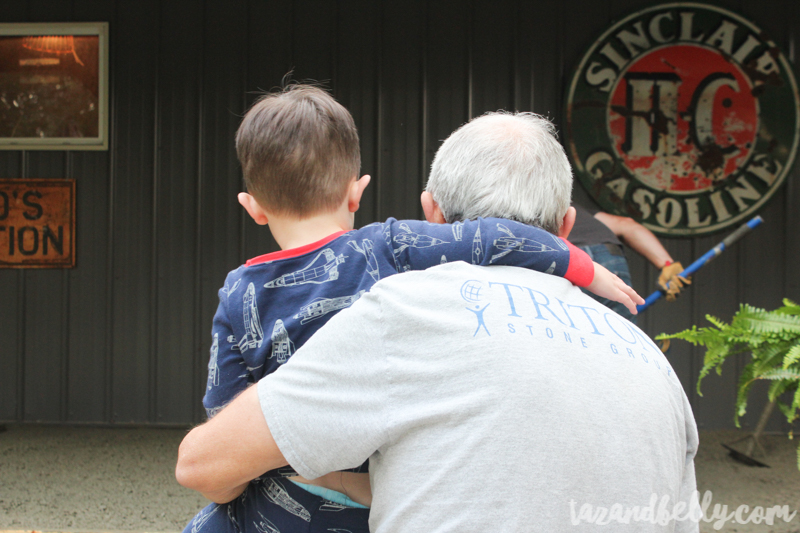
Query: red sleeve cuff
581, 267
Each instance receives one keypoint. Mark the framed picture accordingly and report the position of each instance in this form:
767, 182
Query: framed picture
54, 86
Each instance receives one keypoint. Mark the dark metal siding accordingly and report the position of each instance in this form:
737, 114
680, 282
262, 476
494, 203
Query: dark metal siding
123, 338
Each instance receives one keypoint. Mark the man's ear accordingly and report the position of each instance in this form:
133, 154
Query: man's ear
567, 223
431, 209
255, 211
356, 190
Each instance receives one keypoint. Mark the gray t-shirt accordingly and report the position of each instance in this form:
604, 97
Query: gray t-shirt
487, 399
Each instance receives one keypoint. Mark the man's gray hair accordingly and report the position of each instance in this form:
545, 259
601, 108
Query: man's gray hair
504, 165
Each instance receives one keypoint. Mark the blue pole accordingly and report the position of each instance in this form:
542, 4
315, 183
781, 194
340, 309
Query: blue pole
706, 257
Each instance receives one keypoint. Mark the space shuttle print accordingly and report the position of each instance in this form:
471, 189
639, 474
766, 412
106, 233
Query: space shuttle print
228, 291
513, 243
322, 306
234, 343
211, 411
277, 494
254, 335
203, 517
332, 507
410, 239
324, 268
414, 240
458, 230
560, 243
372, 262
282, 345
265, 526
387, 236
477, 248
213, 368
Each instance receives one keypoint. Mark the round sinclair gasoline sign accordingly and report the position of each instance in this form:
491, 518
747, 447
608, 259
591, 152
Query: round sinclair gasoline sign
683, 116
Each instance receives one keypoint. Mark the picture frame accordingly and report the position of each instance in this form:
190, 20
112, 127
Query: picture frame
54, 86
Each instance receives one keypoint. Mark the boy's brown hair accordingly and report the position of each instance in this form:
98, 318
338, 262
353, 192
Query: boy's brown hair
299, 150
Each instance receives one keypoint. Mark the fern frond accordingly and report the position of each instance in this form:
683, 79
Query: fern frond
716, 321
778, 387
789, 307
780, 373
716, 354
761, 321
786, 410
768, 357
701, 336
792, 356
745, 382
795, 405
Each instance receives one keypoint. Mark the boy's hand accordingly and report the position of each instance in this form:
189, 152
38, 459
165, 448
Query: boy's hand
609, 286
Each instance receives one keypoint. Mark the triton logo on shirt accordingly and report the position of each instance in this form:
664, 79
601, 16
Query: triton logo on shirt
528, 311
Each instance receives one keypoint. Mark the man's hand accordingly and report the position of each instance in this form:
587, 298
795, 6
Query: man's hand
609, 286
670, 275
220, 457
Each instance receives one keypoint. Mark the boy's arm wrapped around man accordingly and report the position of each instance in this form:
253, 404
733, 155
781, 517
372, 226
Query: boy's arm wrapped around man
487, 241
419, 245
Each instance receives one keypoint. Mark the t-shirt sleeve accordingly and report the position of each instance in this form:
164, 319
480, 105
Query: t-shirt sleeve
327, 407
418, 245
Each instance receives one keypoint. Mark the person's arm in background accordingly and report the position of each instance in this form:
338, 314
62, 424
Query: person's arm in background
645, 243
639, 238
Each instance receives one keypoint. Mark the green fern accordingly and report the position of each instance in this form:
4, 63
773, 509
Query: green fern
792, 356
781, 374
772, 338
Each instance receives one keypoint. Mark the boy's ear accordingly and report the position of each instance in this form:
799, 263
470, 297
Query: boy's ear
567, 223
253, 209
433, 213
356, 190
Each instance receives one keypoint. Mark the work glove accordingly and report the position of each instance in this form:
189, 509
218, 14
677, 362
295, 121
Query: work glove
670, 274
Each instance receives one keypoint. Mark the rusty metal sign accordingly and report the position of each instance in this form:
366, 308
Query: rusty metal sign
37, 223
683, 116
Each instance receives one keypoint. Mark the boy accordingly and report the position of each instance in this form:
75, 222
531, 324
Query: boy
299, 152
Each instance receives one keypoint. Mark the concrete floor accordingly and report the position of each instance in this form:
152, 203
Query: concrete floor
87, 479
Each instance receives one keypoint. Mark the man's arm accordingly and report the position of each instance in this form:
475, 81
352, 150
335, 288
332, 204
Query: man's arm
328, 407
219, 458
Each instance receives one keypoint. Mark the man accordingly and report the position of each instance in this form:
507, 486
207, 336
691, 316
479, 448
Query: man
486, 398
598, 234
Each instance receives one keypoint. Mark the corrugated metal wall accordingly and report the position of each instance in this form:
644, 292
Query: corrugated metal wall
123, 338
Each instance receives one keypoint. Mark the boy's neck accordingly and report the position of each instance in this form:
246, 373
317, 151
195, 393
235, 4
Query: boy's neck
290, 232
